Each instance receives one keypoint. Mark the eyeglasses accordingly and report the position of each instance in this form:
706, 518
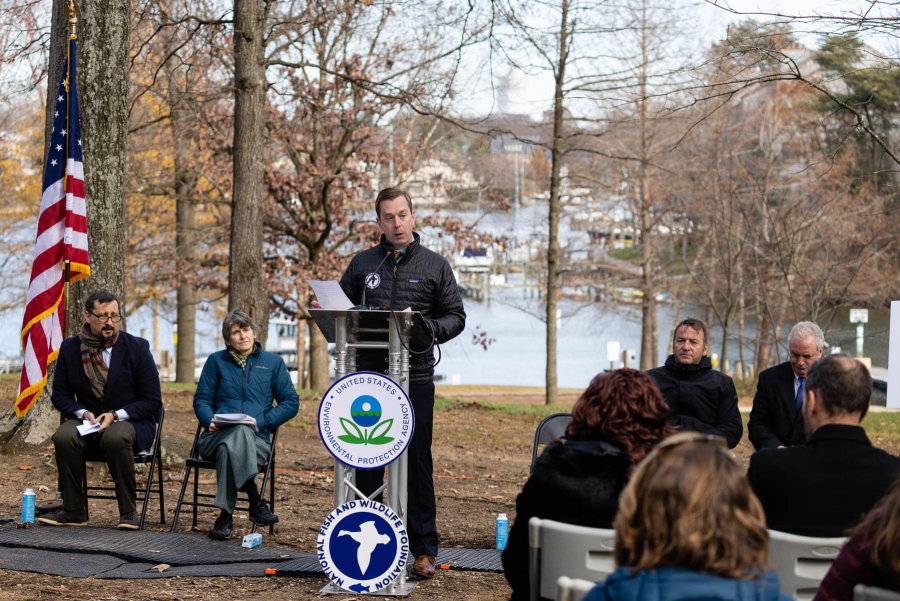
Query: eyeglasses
671, 443
106, 318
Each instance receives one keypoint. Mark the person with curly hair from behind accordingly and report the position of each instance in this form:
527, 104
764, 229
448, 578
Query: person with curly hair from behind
689, 527
578, 478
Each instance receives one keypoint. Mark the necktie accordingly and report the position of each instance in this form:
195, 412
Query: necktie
799, 399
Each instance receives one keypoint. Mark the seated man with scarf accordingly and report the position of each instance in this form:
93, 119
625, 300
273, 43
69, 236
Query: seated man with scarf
108, 377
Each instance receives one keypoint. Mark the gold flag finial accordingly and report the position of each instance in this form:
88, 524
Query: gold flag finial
72, 10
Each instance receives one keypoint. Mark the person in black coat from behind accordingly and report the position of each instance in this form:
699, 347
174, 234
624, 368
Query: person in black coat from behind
578, 478
701, 398
825, 487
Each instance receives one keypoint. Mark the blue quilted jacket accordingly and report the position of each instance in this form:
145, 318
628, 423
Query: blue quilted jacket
226, 388
675, 584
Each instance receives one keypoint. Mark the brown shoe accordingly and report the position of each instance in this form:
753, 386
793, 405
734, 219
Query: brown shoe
61, 517
424, 566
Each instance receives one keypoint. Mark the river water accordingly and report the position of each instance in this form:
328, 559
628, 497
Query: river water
517, 354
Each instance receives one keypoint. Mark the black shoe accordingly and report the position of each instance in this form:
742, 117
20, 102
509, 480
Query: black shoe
129, 521
223, 528
261, 516
61, 517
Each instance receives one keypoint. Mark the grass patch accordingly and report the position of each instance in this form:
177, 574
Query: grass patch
178, 386
625, 254
883, 424
454, 404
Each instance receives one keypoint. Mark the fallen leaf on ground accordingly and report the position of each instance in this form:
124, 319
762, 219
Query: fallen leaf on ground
25, 467
160, 568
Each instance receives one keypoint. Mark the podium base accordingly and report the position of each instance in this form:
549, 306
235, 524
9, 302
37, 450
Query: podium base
392, 590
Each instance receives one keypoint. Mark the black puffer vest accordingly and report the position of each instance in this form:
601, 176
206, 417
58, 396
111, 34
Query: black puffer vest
423, 281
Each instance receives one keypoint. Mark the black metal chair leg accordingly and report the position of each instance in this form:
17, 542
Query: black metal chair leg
162, 498
184, 483
196, 485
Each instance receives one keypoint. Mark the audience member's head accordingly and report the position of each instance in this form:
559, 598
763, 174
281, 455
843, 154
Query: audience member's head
689, 505
623, 407
837, 391
806, 343
239, 331
690, 342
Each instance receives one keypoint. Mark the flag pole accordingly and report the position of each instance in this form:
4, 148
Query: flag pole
72, 10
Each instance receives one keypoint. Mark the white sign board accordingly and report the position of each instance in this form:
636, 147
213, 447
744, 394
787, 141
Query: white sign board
859, 316
612, 351
893, 384
366, 420
362, 546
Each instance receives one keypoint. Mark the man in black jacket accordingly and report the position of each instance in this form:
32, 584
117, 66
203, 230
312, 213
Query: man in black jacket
824, 487
109, 378
400, 273
701, 398
776, 419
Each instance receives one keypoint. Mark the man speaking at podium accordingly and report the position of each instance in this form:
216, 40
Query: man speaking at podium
399, 273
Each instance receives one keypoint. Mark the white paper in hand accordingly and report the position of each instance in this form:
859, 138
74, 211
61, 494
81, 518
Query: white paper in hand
224, 420
330, 295
87, 428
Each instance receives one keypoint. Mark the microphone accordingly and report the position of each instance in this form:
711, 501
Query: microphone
362, 305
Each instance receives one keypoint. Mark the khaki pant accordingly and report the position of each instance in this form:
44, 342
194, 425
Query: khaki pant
116, 444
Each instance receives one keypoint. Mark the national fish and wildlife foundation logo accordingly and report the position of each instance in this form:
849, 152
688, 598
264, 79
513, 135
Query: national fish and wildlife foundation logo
373, 280
366, 420
362, 546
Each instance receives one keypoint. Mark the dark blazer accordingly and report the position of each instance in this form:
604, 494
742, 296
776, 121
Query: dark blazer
774, 420
132, 385
575, 482
825, 487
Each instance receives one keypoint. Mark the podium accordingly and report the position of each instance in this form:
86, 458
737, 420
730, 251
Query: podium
377, 330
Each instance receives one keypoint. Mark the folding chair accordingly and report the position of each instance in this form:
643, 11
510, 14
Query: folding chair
550, 428
194, 462
153, 457
861, 592
572, 589
557, 549
801, 562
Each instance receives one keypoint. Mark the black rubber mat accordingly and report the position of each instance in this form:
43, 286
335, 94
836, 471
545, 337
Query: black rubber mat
469, 560
74, 565
134, 571
173, 548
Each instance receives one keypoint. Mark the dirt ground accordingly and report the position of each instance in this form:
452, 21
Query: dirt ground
482, 454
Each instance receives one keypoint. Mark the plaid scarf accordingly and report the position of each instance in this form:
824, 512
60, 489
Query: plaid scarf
238, 358
92, 359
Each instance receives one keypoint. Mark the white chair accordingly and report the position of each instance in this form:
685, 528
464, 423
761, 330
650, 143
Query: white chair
801, 562
572, 589
557, 549
862, 592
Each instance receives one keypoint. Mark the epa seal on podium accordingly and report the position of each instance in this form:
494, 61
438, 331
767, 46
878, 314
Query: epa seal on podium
366, 420
362, 546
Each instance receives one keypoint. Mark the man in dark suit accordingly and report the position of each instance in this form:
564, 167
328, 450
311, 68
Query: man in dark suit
776, 419
109, 378
824, 488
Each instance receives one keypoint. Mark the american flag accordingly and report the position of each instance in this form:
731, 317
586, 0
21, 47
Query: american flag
61, 236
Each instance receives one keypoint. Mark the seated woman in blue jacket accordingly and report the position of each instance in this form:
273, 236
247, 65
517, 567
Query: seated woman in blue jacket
690, 527
241, 379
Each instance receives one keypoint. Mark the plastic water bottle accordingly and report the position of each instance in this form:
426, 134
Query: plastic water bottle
28, 505
502, 531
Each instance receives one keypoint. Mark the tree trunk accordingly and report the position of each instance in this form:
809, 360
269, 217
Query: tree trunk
103, 63
185, 238
301, 352
319, 378
764, 337
246, 286
649, 333
553, 217
102, 59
